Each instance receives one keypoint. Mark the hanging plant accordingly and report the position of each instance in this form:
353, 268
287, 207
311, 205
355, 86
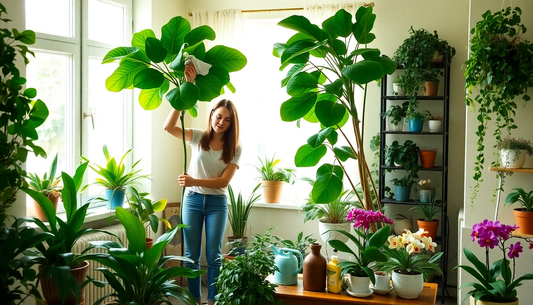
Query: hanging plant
500, 68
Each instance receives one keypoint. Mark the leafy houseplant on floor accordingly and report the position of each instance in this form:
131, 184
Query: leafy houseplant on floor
115, 178
500, 68
238, 213
48, 186
429, 211
524, 214
273, 178
496, 283
408, 262
513, 151
135, 273
331, 100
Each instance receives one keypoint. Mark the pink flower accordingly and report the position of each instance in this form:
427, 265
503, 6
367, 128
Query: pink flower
515, 250
487, 239
530, 245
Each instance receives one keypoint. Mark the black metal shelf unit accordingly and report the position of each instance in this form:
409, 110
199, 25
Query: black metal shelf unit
419, 138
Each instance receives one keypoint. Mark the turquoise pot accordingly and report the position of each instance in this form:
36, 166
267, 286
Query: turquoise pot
402, 192
115, 198
416, 125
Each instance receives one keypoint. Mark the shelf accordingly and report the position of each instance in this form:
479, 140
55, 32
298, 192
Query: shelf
433, 169
409, 202
440, 133
511, 170
421, 98
437, 64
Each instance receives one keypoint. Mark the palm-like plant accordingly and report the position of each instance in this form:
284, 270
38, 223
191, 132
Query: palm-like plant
269, 172
519, 195
330, 212
428, 210
145, 209
239, 211
49, 184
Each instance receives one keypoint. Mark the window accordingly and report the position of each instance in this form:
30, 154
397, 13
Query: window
72, 38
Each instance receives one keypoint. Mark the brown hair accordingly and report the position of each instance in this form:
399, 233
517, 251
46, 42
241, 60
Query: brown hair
231, 136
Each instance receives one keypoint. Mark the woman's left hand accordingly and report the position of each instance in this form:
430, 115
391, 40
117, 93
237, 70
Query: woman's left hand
186, 180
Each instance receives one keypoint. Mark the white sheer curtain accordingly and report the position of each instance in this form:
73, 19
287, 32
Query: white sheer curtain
226, 23
318, 13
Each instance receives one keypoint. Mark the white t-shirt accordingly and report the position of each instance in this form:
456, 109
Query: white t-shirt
207, 164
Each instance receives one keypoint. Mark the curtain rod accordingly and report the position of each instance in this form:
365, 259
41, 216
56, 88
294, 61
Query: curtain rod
268, 10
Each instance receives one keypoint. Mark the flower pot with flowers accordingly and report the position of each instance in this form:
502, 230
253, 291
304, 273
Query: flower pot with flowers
513, 151
429, 211
409, 262
523, 215
426, 190
495, 283
369, 246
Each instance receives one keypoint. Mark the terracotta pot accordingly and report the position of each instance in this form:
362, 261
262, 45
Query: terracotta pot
49, 288
149, 243
314, 277
427, 158
429, 226
479, 302
272, 191
524, 221
39, 211
431, 88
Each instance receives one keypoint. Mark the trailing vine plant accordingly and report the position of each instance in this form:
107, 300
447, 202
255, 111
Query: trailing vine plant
325, 70
500, 68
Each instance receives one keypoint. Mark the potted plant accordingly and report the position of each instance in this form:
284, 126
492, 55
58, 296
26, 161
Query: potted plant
416, 121
434, 123
332, 102
408, 261
402, 187
244, 278
431, 81
369, 246
396, 115
499, 68
405, 155
115, 179
301, 244
57, 263
238, 213
513, 151
398, 86
402, 223
135, 272
21, 115
490, 235
429, 211
273, 178
48, 186
524, 214
426, 190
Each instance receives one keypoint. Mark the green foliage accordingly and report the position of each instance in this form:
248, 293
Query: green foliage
323, 90
404, 181
396, 112
429, 210
405, 155
330, 212
145, 209
20, 114
55, 254
48, 185
301, 243
269, 172
515, 145
113, 175
519, 195
16, 275
136, 274
500, 67
401, 260
243, 280
239, 210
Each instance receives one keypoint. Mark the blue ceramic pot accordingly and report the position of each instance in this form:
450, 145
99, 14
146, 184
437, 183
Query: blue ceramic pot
416, 125
115, 198
402, 192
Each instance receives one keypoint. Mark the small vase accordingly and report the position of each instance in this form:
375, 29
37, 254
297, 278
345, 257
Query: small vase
434, 125
426, 195
480, 302
427, 158
416, 125
359, 284
510, 158
395, 127
407, 286
115, 198
314, 277
431, 88
402, 192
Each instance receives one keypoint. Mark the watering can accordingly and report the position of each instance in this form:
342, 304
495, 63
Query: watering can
287, 264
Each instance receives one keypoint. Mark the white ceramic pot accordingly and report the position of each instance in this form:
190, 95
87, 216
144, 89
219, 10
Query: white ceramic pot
397, 90
407, 286
479, 302
511, 160
382, 280
402, 224
395, 127
434, 125
324, 227
360, 284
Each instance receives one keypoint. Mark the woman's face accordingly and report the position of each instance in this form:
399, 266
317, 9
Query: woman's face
220, 120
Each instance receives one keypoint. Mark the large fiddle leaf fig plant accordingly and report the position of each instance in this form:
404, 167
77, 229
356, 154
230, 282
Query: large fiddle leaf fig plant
326, 68
500, 68
20, 115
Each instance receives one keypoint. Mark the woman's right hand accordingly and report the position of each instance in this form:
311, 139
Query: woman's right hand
190, 72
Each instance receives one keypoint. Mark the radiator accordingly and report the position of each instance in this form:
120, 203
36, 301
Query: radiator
93, 293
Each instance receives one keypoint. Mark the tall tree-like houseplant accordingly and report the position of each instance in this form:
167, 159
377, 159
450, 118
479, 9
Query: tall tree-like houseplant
499, 68
325, 72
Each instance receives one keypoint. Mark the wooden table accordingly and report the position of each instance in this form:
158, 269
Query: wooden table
296, 295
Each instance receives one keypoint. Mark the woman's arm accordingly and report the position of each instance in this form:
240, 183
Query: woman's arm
214, 183
171, 123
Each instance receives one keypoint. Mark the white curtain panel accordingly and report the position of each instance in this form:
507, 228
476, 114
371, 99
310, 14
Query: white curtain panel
318, 13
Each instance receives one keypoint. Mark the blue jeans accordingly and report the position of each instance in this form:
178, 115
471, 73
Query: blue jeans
213, 210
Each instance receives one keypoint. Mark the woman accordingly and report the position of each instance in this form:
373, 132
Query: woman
215, 158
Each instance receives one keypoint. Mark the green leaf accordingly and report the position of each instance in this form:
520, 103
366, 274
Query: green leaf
123, 76
38, 114
155, 50
30, 93
69, 195
301, 84
198, 34
173, 34
302, 25
226, 58
344, 152
363, 72
364, 24
343, 23
296, 107
209, 87
328, 169
119, 53
307, 156
134, 230
326, 188
150, 99
183, 97
148, 79
319, 138
329, 113
379, 238
139, 38
26, 37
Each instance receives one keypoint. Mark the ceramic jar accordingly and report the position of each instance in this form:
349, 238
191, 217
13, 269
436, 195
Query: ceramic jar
480, 302
314, 275
426, 195
407, 286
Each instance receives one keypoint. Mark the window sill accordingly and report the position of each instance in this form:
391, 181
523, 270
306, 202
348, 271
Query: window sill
281, 205
94, 215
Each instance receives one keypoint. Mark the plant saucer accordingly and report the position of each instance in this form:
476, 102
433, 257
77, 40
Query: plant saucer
359, 294
381, 291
